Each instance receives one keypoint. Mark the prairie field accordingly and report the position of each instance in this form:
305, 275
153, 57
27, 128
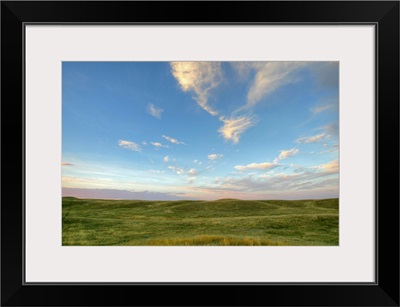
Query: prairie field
94, 222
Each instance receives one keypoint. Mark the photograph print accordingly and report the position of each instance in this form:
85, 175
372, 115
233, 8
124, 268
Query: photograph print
200, 153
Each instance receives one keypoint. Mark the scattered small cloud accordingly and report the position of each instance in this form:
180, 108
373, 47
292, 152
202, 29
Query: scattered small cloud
172, 140
199, 77
129, 145
154, 111
158, 145
166, 159
192, 172
214, 157
288, 153
66, 164
144, 143
234, 127
256, 166
177, 170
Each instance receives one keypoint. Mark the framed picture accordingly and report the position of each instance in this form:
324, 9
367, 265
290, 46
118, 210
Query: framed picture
146, 153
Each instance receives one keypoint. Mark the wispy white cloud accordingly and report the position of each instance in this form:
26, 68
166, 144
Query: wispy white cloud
166, 159
329, 168
269, 77
330, 131
158, 145
322, 177
66, 164
199, 77
177, 170
213, 157
129, 145
311, 139
322, 108
256, 166
234, 127
156, 171
154, 111
328, 103
172, 140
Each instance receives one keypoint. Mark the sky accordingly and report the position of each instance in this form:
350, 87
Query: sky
200, 130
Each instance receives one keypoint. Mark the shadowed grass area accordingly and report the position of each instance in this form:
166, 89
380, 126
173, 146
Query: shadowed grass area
223, 222
214, 240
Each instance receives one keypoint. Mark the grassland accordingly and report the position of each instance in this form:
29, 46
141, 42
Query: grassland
93, 222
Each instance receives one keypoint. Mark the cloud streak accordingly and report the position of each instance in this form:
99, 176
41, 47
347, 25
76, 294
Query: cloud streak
172, 140
158, 145
129, 145
311, 139
200, 78
319, 109
256, 166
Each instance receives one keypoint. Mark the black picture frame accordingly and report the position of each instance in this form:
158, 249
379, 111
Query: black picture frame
383, 14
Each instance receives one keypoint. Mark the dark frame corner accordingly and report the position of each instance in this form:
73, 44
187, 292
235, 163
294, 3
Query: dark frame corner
383, 14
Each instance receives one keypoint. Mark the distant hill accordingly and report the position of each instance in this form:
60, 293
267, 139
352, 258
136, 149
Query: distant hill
117, 194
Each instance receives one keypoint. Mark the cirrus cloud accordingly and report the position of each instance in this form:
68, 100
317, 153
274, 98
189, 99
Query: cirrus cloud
199, 77
269, 77
311, 139
234, 127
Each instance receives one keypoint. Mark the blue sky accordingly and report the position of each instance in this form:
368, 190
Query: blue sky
200, 130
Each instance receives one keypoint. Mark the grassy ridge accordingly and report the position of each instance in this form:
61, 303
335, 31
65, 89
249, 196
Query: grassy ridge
222, 222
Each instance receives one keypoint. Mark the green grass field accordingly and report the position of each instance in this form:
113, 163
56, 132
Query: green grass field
95, 222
